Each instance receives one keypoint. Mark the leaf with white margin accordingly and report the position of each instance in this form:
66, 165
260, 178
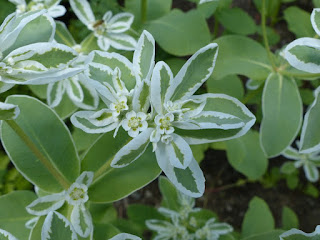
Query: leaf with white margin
119, 23
315, 20
57, 227
295, 234
144, 55
55, 92
8, 111
85, 122
310, 134
193, 74
122, 42
81, 220
83, 11
85, 178
303, 54
113, 60
218, 228
189, 181
141, 97
162, 78
311, 171
57, 11
91, 98
125, 236
99, 72
179, 152
74, 90
133, 150
46, 204
4, 235
282, 114
291, 153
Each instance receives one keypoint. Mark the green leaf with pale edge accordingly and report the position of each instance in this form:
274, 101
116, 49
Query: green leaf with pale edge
310, 135
35, 233
298, 21
258, 218
51, 137
272, 235
241, 55
117, 183
139, 213
230, 85
246, 155
282, 114
180, 33
289, 219
295, 234
8, 111
65, 108
13, 214
62, 35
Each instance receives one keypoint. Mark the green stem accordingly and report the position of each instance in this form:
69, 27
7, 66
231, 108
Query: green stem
264, 33
25, 138
105, 168
144, 6
300, 75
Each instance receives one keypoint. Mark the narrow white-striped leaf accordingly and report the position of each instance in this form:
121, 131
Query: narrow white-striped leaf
57, 227
6, 235
118, 84
84, 121
74, 89
133, 150
85, 178
219, 228
46, 204
311, 171
315, 20
291, 153
193, 73
179, 152
81, 220
144, 55
90, 95
55, 92
8, 111
122, 41
162, 78
189, 181
120, 23
125, 236
303, 54
310, 134
159, 225
141, 97
83, 11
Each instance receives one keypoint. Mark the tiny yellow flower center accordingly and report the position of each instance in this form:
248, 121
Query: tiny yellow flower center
165, 123
77, 194
120, 106
135, 122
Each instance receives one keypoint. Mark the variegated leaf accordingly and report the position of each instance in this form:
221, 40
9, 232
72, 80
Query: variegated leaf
4, 235
90, 95
83, 11
85, 178
295, 234
55, 92
218, 228
62, 35
120, 22
74, 89
193, 73
8, 111
81, 220
315, 20
99, 72
125, 236
141, 97
311, 171
310, 134
46, 204
291, 153
122, 41
57, 227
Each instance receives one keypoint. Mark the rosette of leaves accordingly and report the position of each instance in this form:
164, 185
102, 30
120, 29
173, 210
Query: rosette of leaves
52, 6
110, 30
153, 106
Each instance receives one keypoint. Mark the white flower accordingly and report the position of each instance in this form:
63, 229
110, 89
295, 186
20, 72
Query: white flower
77, 196
135, 123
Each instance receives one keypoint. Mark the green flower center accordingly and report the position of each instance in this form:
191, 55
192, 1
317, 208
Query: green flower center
165, 123
77, 194
134, 122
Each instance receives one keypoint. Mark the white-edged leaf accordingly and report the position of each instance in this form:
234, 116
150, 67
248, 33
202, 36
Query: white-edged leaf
57, 227
81, 220
85, 178
311, 171
120, 22
315, 20
90, 95
133, 150
74, 89
8, 111
6, 235
46, 204
298, 234
57, 11
141, 97
162, 78
310, 134
125, 236
62, 35
144, 55
55, 92
122, 42
303, 54
193, 73
291, 153
189, 181
83, 11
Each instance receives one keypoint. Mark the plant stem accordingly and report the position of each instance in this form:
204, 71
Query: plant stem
264, 33
300, 75
25, 138
144, 6
105, 168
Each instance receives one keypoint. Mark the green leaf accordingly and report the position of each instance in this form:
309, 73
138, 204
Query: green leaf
13, 214
236, 21
50, 136
39, 90
241, 55
230, 85
102, 213
298, 21
282, 114
105, 231
316, 3
82, 139
246, 155
155, 10
112, 184
295, 234
62, 35
258, 219
8, 111
199, 151
272, 235
180, 33
66, 107
288, 168
139, 213
169, 194
289, 219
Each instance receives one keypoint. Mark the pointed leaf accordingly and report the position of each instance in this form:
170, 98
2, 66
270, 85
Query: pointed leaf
63, 35
55, 92
74, 89
122, 42
120, 22
4, 235
311, 171
141, 97
83, 11
315, 20
8, 111
81, 220
46, 204
295, 234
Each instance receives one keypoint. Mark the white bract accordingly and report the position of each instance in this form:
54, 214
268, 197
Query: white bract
212, 230
76, 196
110, 30
52, 6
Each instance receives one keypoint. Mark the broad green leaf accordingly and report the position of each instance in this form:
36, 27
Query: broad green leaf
65, 108
39, 90
199, 151
50, 136
246, 155
310, 135
112, 184
258, 219
13, 214
241, 55
169, 194
237, 21
105, 231
289, 219
102, 213
180, 33
82, 139
155, 10
295, 234
282, 114
316, 3
230, 85
139, 213
298, 21
270, 235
